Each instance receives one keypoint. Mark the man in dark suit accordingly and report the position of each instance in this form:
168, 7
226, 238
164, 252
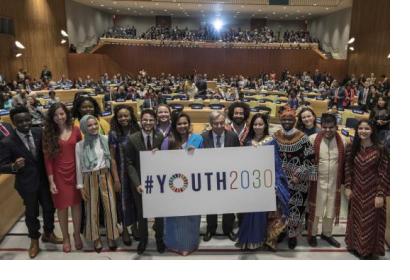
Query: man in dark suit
219, 137
46, 74
145, 140
202, 86
22, 155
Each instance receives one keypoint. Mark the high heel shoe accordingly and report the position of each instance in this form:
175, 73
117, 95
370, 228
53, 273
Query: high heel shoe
78, 243
98, 245
67, 247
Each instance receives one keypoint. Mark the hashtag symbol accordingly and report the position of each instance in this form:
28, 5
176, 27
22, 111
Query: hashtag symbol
149, 184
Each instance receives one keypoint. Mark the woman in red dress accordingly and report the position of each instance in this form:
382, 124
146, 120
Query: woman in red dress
366, 187
59, 140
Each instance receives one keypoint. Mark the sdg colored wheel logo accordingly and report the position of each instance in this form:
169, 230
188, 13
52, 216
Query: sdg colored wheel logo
178, 187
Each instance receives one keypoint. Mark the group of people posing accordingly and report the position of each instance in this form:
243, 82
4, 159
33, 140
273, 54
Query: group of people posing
79, 161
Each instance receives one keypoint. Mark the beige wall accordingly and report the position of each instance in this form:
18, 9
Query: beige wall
333, 32
37, 26
85, 24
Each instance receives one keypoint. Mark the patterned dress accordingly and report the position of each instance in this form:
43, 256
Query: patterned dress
367, 176
297, 155
126, 208
252, 229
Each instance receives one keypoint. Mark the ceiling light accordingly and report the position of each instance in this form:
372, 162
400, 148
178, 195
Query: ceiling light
19, 45
102, 5
63, 41
351, 41
217, 24
19, 54
63, 33
314, 4
351, 48
388, 56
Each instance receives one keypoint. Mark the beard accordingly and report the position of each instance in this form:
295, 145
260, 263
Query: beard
238, 121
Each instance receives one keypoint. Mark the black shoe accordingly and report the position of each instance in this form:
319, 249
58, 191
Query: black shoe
112, 245
292, 242
208, 236
126, 239
312, 241
160, 246
232, 236
281, 237
331, 240
141, 247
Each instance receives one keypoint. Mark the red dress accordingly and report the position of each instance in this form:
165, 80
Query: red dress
62, 167
367, 178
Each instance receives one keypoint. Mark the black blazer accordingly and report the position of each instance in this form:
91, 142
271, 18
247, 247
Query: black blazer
33, 175
231, 139
133, 148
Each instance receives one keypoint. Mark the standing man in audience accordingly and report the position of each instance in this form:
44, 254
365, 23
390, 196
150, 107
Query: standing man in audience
324, 193
337, 95
145, 140
219, 137
22, 155
46, 75
238, 114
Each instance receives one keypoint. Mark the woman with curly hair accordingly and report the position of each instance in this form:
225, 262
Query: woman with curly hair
123, 124
84, 105
59, 140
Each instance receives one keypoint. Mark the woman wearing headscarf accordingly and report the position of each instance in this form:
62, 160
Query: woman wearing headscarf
94, 179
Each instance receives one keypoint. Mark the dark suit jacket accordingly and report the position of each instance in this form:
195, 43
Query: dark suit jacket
33, 175
133, 148
231, 139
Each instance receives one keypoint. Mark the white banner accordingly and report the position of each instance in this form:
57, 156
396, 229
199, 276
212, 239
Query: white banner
209, 181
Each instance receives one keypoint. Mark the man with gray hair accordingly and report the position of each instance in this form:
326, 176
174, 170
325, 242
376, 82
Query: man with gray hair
219, 137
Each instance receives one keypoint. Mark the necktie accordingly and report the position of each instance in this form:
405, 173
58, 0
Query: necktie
31, 146
149, 146
218, 141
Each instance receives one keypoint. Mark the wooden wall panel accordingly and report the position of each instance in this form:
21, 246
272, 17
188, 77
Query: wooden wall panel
371, 28
37, 25
250, 62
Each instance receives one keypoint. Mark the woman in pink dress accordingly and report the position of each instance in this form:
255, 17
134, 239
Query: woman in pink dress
59, 140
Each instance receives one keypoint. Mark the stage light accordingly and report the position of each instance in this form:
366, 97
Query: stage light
388, 56
351, 41
19, 45
19, 54
351, 48
64, 33
217, 24
63, 41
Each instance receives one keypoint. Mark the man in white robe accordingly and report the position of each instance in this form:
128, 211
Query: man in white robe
324, 194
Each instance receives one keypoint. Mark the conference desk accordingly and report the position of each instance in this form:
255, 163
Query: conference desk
347, 113
65, 95
205, 102
134, 104
11, 205
318, 106
263, 92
